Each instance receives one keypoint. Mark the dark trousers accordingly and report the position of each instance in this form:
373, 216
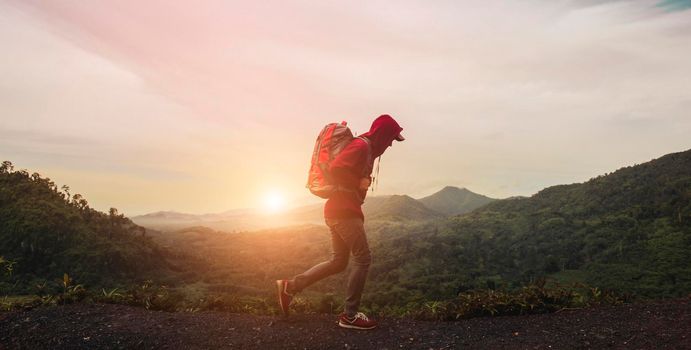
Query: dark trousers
347, 237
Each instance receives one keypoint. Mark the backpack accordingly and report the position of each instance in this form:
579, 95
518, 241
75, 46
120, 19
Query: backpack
333, 138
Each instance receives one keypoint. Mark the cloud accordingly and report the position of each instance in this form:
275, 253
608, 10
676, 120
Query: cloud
501, 97
675, 5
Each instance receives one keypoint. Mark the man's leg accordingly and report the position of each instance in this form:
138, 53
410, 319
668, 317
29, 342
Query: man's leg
352, 232
338, 263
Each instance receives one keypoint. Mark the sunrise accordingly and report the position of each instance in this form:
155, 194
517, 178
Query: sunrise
302, 169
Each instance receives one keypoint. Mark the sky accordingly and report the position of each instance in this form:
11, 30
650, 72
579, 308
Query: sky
206, 106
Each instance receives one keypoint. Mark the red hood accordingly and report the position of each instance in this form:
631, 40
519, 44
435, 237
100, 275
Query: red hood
382, 133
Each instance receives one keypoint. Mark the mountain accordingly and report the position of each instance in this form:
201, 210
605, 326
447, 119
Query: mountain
398, 208
229, 221
629, 230
454, 201
166, 219
172, 220
451, 200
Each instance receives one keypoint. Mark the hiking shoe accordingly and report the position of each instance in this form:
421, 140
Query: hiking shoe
359, 321
284, 298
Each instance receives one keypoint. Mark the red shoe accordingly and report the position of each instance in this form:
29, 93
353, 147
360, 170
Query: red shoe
284, 298
359, 321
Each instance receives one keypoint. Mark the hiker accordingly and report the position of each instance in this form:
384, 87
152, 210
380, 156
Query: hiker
351, 171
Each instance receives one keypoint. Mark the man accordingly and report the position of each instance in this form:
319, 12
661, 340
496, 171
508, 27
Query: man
351, 170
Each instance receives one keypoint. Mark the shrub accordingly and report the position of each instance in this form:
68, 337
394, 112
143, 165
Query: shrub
530, 299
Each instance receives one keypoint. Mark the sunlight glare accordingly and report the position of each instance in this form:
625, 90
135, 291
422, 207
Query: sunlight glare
274, 202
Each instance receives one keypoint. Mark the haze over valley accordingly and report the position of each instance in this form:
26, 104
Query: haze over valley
446, 202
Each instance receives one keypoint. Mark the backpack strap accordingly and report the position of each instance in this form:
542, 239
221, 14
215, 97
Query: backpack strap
375, 178
369, 148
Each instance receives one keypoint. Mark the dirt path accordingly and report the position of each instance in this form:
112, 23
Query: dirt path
660, 325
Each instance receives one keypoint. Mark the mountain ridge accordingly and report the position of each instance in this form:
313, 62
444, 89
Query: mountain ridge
629, 230
398, 207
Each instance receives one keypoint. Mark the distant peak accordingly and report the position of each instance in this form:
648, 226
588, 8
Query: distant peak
452, 200
454, 188
400, 196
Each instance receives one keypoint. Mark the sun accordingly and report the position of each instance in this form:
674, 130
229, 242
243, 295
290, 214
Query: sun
274, 202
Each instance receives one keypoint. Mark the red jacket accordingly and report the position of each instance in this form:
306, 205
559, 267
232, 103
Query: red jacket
354, 163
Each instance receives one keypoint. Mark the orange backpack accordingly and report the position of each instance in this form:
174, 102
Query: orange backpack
333, 138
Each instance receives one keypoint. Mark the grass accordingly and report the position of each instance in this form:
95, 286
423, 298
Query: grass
539, 297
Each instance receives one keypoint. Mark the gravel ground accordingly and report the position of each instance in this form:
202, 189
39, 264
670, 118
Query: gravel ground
654, 325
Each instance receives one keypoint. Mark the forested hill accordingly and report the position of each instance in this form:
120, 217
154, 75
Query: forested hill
659, 188
629, 230
47, 232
